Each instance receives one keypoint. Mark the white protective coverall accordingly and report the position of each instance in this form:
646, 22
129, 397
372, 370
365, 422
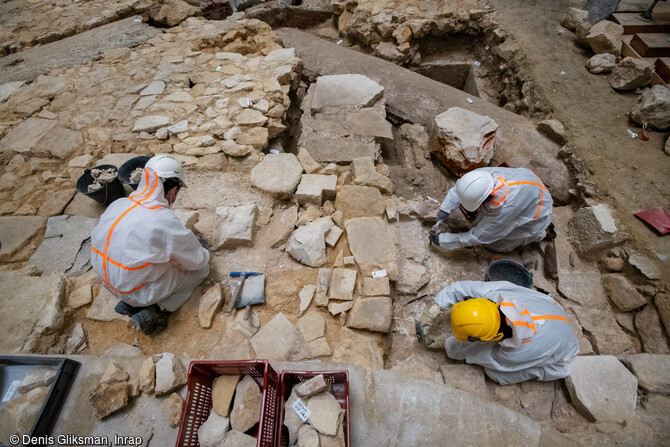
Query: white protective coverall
543, 344
143, 253
518, 214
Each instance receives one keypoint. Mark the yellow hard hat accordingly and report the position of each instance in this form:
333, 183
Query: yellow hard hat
476, 319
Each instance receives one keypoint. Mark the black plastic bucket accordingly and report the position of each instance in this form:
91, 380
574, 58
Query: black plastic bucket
105, 195
506, 270
128, 167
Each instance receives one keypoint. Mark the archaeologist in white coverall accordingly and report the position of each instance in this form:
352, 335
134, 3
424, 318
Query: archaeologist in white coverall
143, 253
513, 208
515, 333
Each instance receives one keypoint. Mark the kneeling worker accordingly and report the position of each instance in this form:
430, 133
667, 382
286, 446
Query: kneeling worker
513, 208
515, 333
142, 252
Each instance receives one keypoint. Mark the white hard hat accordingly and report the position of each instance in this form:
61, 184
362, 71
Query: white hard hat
166, 167
473, 188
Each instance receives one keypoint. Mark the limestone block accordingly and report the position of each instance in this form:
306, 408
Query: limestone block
347, 90
235, 438
38, 377
371, 243
279, 340
237, 226
311, 326
308, 436
213, 430
308, 163
463, 140
9, 88
602, 389
155, 88
233, 149
648, 268
210, 302
311, 387
468, 378
170, 375
306, 295
329, 149
103, 305
601, 63
367, 122
76, 341
593, 229
16, 232
631, 73
322, 286
412, 277
573, 17
172, 409
606, 335
315, 188
662, 301
359, 201
173, 12
338, 307
150, 123
147, 376
114, 373
649, 326
605, 37
59, 143
291, 419
653, 108
247, 405
373, 314
342, 284
308, 243
24, 137
325, 413
319, 347
365, 174
338, 439
223, 389
376, 286
188, 217
333, 235
652, 371
622, 293
282, 225
277, 174
415, 139
108, 397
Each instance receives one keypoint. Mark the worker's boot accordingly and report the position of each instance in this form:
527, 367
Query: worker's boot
150, 318
124, 308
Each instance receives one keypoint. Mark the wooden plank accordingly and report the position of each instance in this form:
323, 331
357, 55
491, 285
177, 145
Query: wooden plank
662, 66
631, 24
651, 44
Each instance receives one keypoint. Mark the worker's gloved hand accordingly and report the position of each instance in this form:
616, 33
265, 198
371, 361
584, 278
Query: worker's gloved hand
425, 321
442, 215
434, 238
204, 243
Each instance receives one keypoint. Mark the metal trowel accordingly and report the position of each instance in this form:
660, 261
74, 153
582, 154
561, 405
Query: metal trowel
249, 290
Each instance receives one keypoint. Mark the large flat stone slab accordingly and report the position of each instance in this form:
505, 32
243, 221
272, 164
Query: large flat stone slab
279, 340
24, 137
66, 248
345, 90
16, 232
602, 389
652, 371
371, 243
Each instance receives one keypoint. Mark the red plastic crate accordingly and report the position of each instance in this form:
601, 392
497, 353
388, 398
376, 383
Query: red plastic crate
340, 389
199, 398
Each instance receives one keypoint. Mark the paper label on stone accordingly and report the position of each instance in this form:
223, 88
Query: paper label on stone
15, 386
301, 409
379, 274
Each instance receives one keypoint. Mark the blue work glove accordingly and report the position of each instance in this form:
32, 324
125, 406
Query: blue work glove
442, 215
434, 239
204, 243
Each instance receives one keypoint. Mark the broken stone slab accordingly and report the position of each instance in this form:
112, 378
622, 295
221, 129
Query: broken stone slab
602, 389
150, 123
308, 436
652, 371
281, 225
622, 293
210, 302
66, 247
308, 163
247, 405
291, 419
172, 407
235, 438
463, 140
313, 386
212, 431
573, 17
552, 129
606, 37
470, 378
277, 174
114, 373
412, 277
365, 174
16, 232
307, 244
108, 397
376, 286
422, 209
59, 143
38, 377
133, 387
24, 137
338, 307
342, 284
605, 334
593, 229
188, 217
631, 73
601, 63
325, 413
155, 88
76, 342
103, 305
147, 376
315, 188
359, 201
223, 389
338, 439
319, 347
366, 122
648, 268
9, 88
373, 314
371, 243
322, 287
662, 301
347, 90
19, 414
333, 235
306, 295
415, 140
237, 226
341, 150
653, 108
311, 326
649, 326
170, 375
279, 340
